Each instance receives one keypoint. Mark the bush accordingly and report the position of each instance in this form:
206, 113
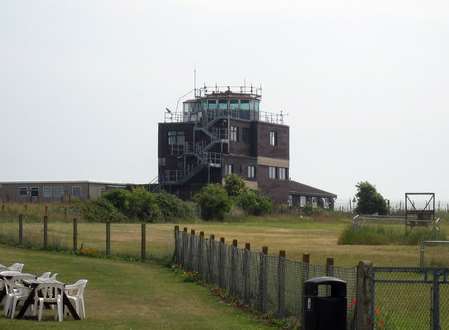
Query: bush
213, 201
143, 205
252, 202
119, 198
234, 185
382, 235
101, 210
173, 207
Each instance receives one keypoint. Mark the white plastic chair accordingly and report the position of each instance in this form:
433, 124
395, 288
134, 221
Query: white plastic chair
75, 293
16, 267
44, 276
50, 293
15, 293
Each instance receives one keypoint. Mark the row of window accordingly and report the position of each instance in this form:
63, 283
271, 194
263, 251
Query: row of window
178, 137
251, 170
312, 201
223, 104
277, 173
48, 191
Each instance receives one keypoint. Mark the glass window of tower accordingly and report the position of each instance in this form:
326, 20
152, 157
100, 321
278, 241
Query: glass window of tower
244, 104
223, 104
212, 104
233, 104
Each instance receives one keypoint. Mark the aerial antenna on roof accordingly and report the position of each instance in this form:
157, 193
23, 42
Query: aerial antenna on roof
194, 81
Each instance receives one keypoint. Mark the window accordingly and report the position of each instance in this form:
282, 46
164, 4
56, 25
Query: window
23, 191
272, 172
244, 104
234, 104
223, 104
302, 201
251, 172
229, 169
212, 104
76, 191
34, 192
245, 135
273, 138
290, 201
47, 192
176, 137
234, 133
282, 173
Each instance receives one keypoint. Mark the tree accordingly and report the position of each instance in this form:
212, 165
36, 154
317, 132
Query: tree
234, 185
214, 202
369, 201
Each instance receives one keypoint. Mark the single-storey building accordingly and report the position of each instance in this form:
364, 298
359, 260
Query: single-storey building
55, 191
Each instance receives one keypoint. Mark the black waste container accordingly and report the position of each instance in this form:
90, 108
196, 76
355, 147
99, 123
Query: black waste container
325, 304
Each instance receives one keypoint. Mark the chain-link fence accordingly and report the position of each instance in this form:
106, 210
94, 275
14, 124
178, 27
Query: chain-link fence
269, 284
410, 298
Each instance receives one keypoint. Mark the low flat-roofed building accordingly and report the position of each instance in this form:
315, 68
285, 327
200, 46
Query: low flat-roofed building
55, 191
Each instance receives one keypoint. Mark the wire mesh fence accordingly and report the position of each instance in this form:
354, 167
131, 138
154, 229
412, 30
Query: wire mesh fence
410, 298
267, 283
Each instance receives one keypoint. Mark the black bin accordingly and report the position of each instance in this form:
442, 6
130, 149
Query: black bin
325, 308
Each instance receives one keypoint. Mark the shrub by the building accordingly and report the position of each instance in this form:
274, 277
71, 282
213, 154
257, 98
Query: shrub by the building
234, 185
253, 202
172, 207
213, 201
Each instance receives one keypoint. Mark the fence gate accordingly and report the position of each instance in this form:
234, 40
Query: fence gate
410, 298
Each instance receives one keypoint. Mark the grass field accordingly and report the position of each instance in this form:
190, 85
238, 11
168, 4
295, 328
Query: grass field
126, 295
296, 235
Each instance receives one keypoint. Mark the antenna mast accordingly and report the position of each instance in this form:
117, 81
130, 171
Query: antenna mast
194, 81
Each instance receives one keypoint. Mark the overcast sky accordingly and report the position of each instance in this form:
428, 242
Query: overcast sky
83, 85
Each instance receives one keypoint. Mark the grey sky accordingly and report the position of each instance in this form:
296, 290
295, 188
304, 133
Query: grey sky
84, 83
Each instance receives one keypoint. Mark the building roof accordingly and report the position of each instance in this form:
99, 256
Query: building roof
303, 189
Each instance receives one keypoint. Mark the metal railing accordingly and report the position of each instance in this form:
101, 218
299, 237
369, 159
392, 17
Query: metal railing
209, 115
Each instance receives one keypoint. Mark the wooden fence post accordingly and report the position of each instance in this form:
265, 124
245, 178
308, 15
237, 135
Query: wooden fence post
20, 229
143, 243
192, 250
329, 272
306, 262
185, 245
75, 235
281, 284
365, 293
221, 263
263, 277
45, 232
246, 274
3, 206
46, 210
211, 258
108, 238
200, 254
233, 286
176, 253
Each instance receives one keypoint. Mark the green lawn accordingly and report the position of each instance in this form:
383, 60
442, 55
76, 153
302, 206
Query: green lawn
128, 295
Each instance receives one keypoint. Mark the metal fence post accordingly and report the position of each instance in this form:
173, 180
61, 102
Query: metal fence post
436, 301
263, 290
281, 284
233, 285
75, 235
211, 258
108, 238
246, 273
20, 229
200, 254
176, 252
143, 243
191, 251
365, 296
329, 272
45, 232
